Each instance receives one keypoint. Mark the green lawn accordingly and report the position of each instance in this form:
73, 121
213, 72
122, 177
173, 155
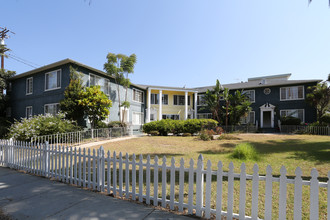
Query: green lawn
306, 151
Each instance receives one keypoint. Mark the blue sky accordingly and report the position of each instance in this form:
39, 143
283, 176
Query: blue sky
177, 42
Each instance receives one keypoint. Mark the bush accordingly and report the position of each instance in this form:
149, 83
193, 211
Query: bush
207, 135
326, 118
288, 120
228, 137
245, 151
186, 135
154, 133
101, 124
40, 125
191, 126
116, 124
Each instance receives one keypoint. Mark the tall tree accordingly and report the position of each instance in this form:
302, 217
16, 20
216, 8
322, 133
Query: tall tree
319, 97
226, 99
239, 107
70, 104
95, 103
120, 66
212, 100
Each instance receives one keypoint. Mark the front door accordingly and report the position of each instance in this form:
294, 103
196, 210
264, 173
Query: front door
267, 117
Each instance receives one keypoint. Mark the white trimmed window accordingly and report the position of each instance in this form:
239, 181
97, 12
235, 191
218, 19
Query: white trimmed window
137, 95
292, 93
204, 115
29, 86
297, 113
250, 94
137, 118
52, 109
180, 100
201, 100
94, 80
154, 99
53, 80
28, 112
107, 88
249, 119
174, 117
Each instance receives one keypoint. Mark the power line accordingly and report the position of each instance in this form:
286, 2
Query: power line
10, 56
27, 61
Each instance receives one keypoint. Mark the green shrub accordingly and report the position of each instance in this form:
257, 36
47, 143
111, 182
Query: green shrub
154, 133
288, 120
206, 135
326, 118
40, 125
116, 124
101, 124
245, 151
191, 126
228, 137
186, 135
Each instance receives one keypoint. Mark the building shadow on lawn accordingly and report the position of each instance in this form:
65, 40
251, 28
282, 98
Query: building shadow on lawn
313, 151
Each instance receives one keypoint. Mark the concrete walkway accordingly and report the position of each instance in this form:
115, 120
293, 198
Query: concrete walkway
99, 143
23, 196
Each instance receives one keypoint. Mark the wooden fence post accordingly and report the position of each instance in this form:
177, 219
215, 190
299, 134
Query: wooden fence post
199, 185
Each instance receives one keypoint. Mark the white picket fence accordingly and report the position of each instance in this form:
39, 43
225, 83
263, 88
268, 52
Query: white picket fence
78, 137
148, 181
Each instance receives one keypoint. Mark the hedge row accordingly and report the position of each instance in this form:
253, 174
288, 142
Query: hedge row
191, 126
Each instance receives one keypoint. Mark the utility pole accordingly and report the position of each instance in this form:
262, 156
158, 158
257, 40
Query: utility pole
3, 48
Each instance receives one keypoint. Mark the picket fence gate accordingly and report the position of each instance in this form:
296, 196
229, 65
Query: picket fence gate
107, 173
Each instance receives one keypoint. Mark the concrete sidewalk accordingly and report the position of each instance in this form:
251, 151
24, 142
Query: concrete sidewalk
23, 196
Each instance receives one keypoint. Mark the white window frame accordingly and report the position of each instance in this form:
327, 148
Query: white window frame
26, 112
254, 95
247, 118
49, 104
163, 95
178, 100
60, 76
107, 87
97, 79
156, 95
303, 110
27, 90
141, 115
142, 95
303, 94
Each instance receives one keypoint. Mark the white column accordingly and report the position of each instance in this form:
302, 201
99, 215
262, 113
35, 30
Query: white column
160, 111
186, 106
148, 107
195, 105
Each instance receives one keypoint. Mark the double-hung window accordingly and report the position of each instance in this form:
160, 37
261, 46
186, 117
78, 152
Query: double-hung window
292, 93
249, 119
154, 99
165, 99
53, 80
180, 100
137, 95
94, 80
250, 94
29, 86
52, 109
137, 118
297, 113
107, 86
28, 112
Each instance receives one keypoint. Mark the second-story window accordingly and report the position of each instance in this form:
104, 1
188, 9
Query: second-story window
154, 99
180, 100
94, 80
29, 86
107, 87
165, 99
53, 80
201, 100
137, 95
292, 93
250, 94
